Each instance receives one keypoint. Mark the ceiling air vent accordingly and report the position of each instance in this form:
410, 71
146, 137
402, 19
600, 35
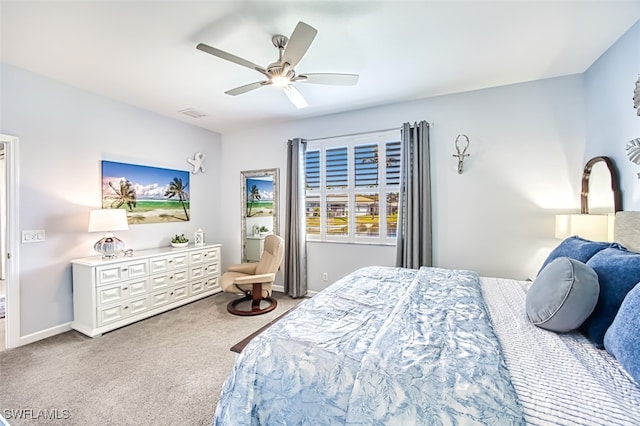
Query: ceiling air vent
192, 113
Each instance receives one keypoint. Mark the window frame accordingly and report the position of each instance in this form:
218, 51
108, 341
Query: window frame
381, 139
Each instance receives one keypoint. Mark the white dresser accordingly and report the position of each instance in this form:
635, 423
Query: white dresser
108, 294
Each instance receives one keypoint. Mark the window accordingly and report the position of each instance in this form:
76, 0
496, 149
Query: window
353, 188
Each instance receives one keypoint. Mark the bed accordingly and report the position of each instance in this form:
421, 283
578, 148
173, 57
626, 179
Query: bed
439, 346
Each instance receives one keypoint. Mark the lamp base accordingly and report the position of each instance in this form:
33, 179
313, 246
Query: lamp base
109, 246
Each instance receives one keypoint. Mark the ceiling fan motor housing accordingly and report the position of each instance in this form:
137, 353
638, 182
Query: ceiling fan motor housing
278, 70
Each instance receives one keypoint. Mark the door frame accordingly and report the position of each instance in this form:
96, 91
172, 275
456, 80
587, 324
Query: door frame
12, 319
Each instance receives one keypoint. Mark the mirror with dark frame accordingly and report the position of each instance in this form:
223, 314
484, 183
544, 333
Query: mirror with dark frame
600, 187
260, 195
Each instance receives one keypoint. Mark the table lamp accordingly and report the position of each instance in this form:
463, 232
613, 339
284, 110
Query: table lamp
108, 220
595, 227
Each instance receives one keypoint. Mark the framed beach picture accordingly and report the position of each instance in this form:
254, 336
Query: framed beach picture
148, 194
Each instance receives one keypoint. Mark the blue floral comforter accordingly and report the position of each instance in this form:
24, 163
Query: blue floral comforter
381, 346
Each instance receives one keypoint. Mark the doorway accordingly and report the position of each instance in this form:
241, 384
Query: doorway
3, 249
10, 326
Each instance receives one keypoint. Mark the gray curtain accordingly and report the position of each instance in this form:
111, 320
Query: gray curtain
295, 243
414, 245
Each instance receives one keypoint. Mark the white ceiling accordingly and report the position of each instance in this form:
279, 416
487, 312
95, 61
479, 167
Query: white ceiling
143, 52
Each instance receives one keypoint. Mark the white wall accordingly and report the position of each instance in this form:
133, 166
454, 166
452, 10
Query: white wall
611, 118
64, 134
497, 218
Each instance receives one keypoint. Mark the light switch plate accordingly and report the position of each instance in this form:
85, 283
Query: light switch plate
33, 236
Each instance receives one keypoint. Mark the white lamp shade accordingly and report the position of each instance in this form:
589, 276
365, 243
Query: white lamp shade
594, 227
108, 220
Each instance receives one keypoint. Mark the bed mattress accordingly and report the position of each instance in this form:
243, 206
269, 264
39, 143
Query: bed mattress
560, 378
431, 346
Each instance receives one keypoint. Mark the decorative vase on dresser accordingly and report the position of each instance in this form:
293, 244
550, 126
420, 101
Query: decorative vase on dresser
108, 294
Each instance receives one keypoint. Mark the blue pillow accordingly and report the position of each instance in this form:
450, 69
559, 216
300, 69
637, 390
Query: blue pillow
622, 339
618, 272
575, 248
563, 295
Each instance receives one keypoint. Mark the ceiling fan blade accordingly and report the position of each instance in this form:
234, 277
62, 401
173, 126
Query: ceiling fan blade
295, 96
298, 43
329, 78
246, 88
231, 58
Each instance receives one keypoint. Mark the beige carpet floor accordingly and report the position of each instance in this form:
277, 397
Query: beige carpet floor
165, 370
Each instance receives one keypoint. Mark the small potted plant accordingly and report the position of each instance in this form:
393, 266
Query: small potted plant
263, 231
179, 241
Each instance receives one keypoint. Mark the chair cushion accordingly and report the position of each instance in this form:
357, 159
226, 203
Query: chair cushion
618, 272
227, 284
227, 279
622, 339
563, 295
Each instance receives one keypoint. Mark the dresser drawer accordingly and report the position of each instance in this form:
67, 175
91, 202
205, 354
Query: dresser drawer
212, 269
114, 313
212, 254
197, 286
115, 273
115, 293
172, 294
161, 281
179, 292
168, 262
212, 283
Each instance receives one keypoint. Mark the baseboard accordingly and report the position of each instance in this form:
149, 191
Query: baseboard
43, 334
280, 288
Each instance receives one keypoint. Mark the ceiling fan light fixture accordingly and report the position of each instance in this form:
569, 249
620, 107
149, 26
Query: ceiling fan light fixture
280, 81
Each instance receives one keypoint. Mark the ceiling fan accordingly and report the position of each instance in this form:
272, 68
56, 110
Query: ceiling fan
282, 73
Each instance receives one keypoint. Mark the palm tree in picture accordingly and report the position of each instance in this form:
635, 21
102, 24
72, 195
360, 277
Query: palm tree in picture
254, 195
126, 195
178, 189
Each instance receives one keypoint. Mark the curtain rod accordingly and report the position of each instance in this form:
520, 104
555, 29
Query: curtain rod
358, 134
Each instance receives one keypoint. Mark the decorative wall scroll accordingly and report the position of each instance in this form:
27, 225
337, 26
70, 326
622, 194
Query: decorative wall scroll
461, 148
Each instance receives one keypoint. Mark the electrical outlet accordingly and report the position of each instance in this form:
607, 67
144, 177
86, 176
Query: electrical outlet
33, 236
325, 276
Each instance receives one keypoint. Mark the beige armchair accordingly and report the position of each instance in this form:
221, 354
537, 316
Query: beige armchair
255, 280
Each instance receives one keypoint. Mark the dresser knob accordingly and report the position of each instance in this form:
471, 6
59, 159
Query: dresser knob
126, 307
126, 288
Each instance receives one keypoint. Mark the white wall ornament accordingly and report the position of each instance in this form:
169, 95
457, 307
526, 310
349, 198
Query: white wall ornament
633, 150
197, 162
636, 97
